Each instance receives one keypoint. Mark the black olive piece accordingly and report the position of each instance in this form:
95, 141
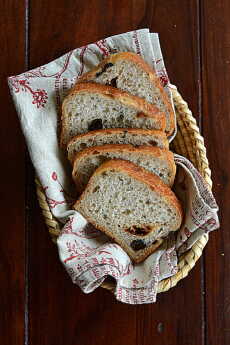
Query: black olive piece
138, 245
95, 124
153, 142
104, 68
113, 82
98, 74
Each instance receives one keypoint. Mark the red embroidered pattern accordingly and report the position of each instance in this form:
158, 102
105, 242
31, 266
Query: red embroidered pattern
52, 202
137, 43
41, 70
103, 48
79, 250
163, 77
67, 196
39, 96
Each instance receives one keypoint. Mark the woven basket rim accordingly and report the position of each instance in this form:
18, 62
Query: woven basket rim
189, 143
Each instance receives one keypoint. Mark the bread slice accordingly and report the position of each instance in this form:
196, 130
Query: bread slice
132, 136
129, 72
91, 106
130, 205
156, 160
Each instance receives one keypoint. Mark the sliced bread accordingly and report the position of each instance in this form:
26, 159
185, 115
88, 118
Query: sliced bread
129, 72
156, 160
132, 136
91, 106
130, 205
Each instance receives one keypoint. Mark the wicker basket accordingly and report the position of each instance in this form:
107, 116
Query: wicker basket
189, 143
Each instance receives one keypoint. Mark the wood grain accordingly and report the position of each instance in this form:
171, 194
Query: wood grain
178, 26
216, 124
57, 307
12, 176
195, 38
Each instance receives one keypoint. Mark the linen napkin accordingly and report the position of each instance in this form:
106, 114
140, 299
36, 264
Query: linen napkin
87, 254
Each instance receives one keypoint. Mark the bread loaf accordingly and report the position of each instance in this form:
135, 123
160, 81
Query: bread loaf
91, 106
129, 72
156, 160
130, 205
135, 137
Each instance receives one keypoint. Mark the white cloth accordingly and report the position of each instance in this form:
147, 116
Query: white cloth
87, 254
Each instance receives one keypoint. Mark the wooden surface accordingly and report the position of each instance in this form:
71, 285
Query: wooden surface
39, 304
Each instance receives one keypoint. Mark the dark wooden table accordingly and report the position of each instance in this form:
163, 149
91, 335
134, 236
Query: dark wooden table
38, 303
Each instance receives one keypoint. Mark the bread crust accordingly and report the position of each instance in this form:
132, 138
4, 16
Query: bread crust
144, 108
137, 131
149, 179
154, 151
145, 66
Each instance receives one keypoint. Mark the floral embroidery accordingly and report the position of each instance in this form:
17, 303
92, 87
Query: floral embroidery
79, 250
53, 203
39, 96
163, 78
42, 69
69, 198
103, 48
187, 232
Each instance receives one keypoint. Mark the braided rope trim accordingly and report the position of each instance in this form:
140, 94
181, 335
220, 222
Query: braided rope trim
189, 143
